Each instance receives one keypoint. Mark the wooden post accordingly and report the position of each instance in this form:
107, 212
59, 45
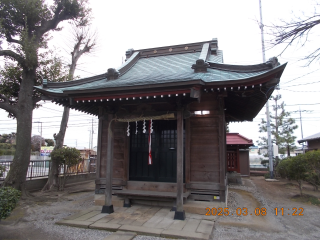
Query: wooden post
179, 214
222, 150
108, 207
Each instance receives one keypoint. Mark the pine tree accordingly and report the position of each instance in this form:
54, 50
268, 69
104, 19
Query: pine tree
282, 128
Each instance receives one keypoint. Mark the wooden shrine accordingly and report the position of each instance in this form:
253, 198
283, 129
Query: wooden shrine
238, 154
169, 105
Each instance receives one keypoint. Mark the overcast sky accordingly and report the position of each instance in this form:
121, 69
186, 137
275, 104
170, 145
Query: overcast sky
121, 25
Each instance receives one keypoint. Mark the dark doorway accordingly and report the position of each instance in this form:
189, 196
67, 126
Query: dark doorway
164, 152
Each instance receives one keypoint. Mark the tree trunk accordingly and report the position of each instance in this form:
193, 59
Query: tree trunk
288, 150
300, 187
59, 138
53, 179
19, 167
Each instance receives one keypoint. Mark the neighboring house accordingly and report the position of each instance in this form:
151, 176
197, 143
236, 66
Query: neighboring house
238, 153
86, 153
313, 142
162, 120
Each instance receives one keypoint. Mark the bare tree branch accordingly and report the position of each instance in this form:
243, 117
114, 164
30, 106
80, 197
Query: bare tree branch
297, 30
85, 42
5, 104
13, 55
11, 40
61, 13
36, 100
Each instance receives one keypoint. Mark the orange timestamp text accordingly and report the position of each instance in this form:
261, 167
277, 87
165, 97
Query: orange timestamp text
257, 212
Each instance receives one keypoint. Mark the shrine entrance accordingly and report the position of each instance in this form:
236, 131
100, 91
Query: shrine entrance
233, 160
164, 152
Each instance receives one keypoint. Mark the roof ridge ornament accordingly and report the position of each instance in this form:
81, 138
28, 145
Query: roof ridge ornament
112, 74
273, 62
201, 64
44, 83
129, 53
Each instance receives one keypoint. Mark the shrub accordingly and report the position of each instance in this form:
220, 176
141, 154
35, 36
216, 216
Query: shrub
8, 199
282, 168
295, 168
66, 157
267, 175
313, 160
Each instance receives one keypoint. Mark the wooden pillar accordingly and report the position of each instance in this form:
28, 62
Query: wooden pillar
98, 162
179, 213
222, 150
108, 207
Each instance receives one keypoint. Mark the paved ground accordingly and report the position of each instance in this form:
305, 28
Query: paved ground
154, 221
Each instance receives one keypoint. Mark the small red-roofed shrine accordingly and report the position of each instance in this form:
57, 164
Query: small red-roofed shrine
238, 153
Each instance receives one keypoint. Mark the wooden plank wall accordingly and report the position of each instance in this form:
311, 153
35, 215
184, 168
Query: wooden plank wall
204, 141
120, 153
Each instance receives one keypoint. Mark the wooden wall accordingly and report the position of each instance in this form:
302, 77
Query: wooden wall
205, 147
244, 162
204, 143
120, 154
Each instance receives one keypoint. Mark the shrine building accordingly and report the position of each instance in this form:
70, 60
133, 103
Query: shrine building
162, 121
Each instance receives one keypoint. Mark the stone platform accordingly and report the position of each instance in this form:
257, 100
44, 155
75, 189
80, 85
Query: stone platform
145, 220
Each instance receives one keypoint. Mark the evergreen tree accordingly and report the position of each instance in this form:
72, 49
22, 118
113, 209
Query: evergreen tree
282, 128
25, 28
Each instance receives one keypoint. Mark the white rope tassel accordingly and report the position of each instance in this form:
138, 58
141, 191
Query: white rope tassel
144, 126
151, 126
136, 127
128, 130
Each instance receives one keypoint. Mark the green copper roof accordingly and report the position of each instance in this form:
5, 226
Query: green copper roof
164, 69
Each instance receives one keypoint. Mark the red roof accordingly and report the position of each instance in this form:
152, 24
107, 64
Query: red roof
237, 139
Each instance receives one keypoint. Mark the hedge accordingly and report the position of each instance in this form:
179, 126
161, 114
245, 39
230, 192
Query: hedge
9, 198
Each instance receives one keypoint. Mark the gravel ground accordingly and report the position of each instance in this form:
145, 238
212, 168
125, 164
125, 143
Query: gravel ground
35, 218
270, 196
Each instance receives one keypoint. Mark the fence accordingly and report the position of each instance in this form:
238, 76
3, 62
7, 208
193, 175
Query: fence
41, 168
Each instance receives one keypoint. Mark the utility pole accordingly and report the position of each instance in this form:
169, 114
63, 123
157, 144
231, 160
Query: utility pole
40, 135
270, 153
91, 133
301, 123
89, 137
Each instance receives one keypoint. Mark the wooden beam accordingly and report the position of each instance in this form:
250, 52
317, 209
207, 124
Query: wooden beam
108, 207
179, 213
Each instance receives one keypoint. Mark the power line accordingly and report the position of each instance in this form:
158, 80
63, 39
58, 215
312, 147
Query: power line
301, 84
298, 91
301, 76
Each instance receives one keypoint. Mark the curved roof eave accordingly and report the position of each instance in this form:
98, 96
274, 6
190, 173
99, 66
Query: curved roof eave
177, 83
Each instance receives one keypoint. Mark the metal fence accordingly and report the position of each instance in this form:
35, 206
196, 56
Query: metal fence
41, 168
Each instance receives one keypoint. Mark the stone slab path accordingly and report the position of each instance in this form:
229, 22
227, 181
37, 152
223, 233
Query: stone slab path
144, 220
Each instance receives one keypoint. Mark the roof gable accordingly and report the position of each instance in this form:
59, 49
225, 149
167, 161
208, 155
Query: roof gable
312, 137
237, 139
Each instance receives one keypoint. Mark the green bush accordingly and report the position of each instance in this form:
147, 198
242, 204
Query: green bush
6, 146
66, 158
295, 168
8, 200
267, 175
282, 168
